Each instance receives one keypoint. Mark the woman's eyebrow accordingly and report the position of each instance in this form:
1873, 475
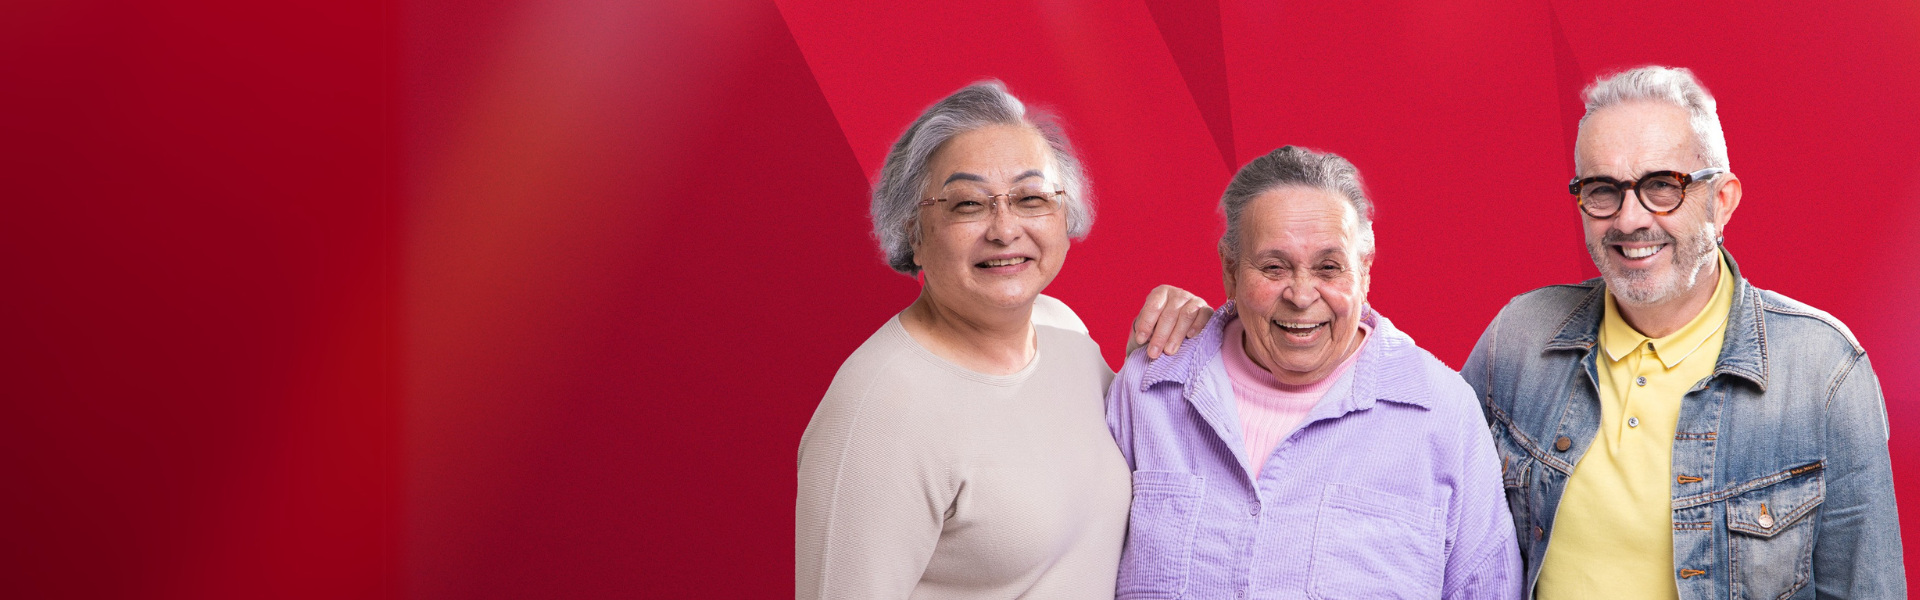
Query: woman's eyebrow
963, 177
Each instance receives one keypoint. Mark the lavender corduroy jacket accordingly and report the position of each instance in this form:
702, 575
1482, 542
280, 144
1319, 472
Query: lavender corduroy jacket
1389, 488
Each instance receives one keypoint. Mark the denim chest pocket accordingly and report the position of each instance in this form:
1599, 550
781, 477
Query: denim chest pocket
1160, 530
1771, 535
1372, 544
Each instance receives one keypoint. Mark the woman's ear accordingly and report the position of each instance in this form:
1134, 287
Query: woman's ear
913, 240
1366, 274
1226, 273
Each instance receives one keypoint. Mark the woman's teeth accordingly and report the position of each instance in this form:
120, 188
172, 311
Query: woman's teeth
1299, 328
1003, 262
1641, 252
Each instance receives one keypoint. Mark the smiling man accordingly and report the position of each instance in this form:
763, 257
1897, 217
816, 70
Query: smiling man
1668, 430
1302, 446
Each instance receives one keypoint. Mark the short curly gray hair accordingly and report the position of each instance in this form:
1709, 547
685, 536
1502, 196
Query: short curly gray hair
903, 178
1676, 86
1294, 166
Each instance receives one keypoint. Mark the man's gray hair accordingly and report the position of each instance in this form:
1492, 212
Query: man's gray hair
1294, 166
1676, 86
903, 178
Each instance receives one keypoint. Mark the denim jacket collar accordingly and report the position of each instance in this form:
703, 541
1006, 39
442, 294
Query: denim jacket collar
1389, 368
1742, 354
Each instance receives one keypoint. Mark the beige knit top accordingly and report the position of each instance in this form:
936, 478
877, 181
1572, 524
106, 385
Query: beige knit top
922, 479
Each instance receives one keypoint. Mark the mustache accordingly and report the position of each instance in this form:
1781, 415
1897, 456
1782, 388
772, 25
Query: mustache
1638, 235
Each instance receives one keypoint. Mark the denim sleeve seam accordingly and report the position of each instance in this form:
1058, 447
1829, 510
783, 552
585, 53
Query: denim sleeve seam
1840, 379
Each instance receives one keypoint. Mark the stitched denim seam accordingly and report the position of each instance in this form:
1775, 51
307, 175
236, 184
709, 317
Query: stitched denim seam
1528, 444
1828, 320
1592, 293
1711, 497
1840, 379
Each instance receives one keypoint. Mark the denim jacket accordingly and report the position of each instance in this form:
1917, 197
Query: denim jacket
1782, 485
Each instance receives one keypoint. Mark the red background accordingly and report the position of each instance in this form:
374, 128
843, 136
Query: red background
532, 299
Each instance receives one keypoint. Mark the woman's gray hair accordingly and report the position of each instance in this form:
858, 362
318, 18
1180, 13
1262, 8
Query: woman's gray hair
1294, 166
1676, 86
903, 178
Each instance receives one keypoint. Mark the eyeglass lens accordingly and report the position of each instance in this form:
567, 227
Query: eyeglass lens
1661, 192
967, 203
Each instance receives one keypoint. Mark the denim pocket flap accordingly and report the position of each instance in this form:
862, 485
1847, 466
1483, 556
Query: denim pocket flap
1769, 510
1514, 462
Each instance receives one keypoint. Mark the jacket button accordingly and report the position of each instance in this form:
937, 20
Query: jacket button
1538, 532
1633, 421
1562, 444
1642, 381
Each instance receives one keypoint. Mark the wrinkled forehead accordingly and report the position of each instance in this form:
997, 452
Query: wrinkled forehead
1298, 220
1626, 140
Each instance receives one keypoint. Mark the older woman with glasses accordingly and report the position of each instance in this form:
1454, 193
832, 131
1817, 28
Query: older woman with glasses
962, 450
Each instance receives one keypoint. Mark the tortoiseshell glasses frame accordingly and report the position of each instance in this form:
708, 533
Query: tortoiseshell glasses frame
1660, 192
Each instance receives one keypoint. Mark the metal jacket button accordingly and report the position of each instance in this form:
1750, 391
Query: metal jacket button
1562, 444
1766, 518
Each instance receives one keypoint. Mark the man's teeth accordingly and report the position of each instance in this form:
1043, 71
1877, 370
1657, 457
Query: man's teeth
1641, 252
1002, 262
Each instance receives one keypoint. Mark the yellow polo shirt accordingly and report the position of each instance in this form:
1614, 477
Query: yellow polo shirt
1613, 536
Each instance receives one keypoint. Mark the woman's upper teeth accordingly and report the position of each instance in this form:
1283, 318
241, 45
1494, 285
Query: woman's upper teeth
1001, 262
1296, 325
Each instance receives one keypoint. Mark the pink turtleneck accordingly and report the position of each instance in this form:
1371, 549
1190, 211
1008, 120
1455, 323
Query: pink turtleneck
1269, 410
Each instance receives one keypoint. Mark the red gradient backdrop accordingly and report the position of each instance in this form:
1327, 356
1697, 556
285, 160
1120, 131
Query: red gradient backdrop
514, 299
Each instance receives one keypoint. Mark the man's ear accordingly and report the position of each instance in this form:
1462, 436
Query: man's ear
1725, 200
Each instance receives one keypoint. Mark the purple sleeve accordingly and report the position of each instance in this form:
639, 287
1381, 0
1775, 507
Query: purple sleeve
1484, 558
1120, 396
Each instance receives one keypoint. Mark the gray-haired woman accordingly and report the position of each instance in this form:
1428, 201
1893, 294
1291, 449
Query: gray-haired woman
963, 450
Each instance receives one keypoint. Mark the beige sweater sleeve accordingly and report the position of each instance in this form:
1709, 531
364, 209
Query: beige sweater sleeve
872, 491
